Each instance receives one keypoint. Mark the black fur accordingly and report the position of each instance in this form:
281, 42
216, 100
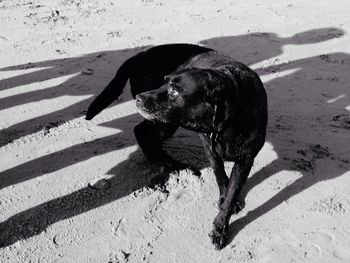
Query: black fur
146, 71
204, 91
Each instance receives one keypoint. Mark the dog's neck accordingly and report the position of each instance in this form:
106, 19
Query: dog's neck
208, 126
208, 130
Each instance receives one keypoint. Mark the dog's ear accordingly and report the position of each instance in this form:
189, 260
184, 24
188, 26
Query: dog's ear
223, 98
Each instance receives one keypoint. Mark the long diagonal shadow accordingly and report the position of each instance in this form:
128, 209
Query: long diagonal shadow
35, 220
128, 176
289, 130
99, 67
61, 159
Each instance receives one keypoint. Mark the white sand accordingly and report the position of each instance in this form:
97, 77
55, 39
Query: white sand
73, 190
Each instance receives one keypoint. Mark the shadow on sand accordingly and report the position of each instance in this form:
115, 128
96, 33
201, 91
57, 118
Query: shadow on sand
303, 122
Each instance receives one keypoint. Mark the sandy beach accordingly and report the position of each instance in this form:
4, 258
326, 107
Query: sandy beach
73, 190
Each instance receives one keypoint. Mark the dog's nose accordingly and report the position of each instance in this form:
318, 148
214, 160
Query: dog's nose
144, 100
138, 99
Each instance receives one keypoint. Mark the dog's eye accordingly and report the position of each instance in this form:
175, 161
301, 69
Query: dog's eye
173, 91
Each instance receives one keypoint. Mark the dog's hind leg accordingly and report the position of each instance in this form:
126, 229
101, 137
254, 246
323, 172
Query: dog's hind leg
239, 175
150, 136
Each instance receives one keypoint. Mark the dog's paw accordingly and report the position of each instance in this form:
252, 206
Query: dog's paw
158, 182
176, 167
168, 167
195, 171
184, 166
218, 235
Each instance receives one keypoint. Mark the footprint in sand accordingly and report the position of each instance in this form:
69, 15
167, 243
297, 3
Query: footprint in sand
184, 190
327, 241
118, 230
182, 197
317, 243
342, 253
322, 239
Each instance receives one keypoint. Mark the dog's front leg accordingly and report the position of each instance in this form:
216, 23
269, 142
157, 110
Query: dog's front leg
239, 175
217, 164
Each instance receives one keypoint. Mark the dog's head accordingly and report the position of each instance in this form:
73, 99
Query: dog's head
197, 99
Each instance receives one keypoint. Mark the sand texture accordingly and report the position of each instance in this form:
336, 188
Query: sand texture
73, 190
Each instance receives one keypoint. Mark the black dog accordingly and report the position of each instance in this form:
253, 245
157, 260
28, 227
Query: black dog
145, 72
209, 93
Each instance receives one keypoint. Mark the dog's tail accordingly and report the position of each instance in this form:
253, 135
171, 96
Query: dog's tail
112, 91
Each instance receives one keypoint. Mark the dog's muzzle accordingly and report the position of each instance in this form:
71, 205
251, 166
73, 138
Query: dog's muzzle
144, 105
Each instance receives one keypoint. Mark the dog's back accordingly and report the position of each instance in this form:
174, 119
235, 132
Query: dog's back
146, 71
150, 66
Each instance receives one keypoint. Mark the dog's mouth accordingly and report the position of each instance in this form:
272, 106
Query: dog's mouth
154, 108
147, 114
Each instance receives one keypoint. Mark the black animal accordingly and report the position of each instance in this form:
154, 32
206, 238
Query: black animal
145, 71
204, 91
